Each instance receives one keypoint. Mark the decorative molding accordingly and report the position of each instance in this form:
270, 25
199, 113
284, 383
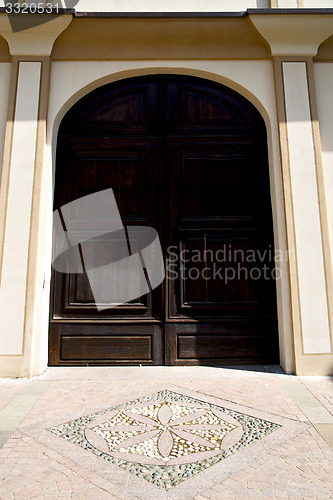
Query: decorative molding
36, 40
293, 35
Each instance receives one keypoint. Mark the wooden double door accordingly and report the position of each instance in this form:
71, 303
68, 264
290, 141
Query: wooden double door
187, 157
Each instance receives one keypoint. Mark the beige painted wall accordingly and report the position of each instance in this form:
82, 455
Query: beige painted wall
170, 6
4, 92
328, 4
72, 79
287, 4
252, 77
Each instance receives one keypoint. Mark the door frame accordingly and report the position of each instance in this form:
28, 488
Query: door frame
276, 188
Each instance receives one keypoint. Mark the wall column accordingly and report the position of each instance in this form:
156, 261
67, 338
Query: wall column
21, 197
294, 41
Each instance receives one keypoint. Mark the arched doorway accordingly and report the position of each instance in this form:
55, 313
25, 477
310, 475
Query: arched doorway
188, 157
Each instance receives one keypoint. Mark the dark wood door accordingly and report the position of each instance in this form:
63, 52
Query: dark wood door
187, 157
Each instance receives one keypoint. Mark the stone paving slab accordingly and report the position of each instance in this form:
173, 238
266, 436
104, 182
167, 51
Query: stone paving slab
287, 453
322, 389
8, 390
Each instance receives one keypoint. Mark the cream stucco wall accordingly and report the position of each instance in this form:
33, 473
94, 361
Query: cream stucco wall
287, 4
328, 4
170, 6
71, 80
270, 91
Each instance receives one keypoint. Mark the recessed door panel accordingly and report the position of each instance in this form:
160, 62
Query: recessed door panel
188, 158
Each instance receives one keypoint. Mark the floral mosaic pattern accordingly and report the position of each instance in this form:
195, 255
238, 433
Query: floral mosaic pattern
165, 438
167, 435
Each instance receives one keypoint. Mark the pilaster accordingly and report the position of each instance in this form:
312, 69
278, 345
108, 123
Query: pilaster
294, 41
21, 240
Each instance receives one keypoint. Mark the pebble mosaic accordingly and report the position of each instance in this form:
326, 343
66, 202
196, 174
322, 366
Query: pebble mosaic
165, 438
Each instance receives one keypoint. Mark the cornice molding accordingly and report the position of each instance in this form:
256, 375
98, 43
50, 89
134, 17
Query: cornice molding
33, 40
293, 35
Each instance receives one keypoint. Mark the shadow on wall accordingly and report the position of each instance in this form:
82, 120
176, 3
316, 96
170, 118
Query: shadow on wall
24, 22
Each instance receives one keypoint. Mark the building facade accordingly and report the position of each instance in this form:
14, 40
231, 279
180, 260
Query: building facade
242, 84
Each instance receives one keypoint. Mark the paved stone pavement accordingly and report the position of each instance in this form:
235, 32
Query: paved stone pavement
166, 433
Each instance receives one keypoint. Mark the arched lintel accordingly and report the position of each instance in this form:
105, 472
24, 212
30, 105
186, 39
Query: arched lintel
135, 72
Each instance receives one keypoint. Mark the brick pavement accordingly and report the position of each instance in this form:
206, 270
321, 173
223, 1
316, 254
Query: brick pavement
294, 461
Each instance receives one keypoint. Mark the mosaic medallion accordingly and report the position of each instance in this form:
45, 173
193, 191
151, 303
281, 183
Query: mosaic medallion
167, 437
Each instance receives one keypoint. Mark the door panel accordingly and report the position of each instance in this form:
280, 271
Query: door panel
80, 344
199, 108
132, 107
211, 258
231, 342
97, 165
187, 157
